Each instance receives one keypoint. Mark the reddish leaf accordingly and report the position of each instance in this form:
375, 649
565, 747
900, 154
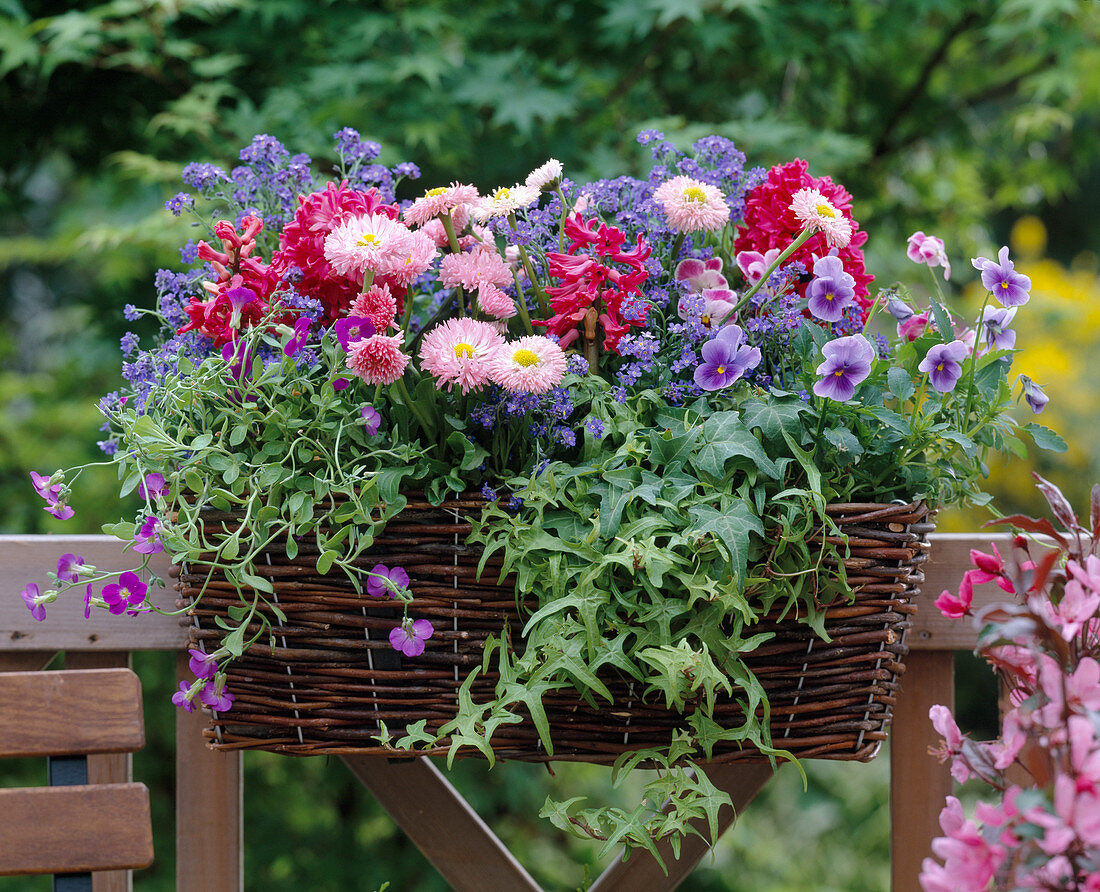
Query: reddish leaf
1030, 525
1059, 505
1095, 513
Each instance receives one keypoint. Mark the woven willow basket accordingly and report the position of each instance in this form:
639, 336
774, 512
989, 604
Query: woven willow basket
333, 676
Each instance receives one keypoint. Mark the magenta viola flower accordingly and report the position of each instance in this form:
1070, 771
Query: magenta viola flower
298, 339
847, 363
67, 567
127, 593
1034, 394
725, 359
239, 297
88, 602
371, 420
182, 698
832, 291
204, 665
55, 503
929, 249
943, 363
217, 700
339, 384
152, 486
351, 329
384, 582
409, 637
239, 357
33, 600
147, 540
1001, 279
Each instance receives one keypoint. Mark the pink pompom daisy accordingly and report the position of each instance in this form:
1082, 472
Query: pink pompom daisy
532, 364
472, 269
544, 177
378, 359
378, 305
692, 205
459, 351
403, 265
364, 243
494, 302
816, 211
504, 201
438, 201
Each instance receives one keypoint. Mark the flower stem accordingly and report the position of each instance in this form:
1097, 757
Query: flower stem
677, 244
564, 217
790, 249
424, 422
530, 269
521, 305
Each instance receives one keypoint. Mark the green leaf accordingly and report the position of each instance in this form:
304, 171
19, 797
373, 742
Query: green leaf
844, 440
774, 416
1045, 438
324, 562
726, 436
900, 383
943, 320
733, 528
257, 582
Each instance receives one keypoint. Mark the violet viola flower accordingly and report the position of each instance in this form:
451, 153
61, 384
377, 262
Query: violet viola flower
152, 486
182, 698
219, 701
1034, 394
847, 363
128, 592
409, 637
929, 249
32, 599
298, 339
351, 329
147, 540
67, 567
384, 582
993, 328
899, 309
725, 359
943, 363
371, 420
204, 665
832, 290
239, 298
1001, 279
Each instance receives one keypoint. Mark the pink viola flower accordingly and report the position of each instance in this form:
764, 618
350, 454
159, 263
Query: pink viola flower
153, 486
460, 351
147, 540
701, 274
202, 664
472, 269
753, 264
692, 205
54, 496
958, 606
36, 603
378, 359
215, 697
371, 420
929, 249
377, 305
68, 567
533, 364
409, 637
183, 698
298, 337
816, 213
351, 329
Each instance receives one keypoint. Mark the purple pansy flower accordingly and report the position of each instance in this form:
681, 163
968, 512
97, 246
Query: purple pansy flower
725, 359
929, 249
409, 637
899, 309
847, 363
219, 701
30, 598
943, 363
152, 486
182, 698
1034, 394
351, 329
203, 665
371, 419
298, 339
993, 328
832, 290
66, 565
147, 540
1001, 279
377, 585
128, 592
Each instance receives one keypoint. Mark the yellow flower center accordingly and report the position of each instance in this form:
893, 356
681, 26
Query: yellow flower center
502, 194
367, 239
829, 296
464, 351
694, 193
705, 319
939, 368
721, 370
1004, 285
839, 373
438, 190
826, 210
525, 357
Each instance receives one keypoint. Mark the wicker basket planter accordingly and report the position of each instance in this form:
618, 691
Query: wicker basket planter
333, 676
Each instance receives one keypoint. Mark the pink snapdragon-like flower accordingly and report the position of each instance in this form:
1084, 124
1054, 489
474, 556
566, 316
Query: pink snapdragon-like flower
459, 351
378, 305
815, 211
438, 201
472, 269
378, 359
692, 205
532, 364
929, 249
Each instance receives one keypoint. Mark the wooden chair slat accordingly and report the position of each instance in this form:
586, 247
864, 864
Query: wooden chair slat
74, 829
64, 713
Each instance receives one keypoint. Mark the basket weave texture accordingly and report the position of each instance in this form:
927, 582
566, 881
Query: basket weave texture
333, 676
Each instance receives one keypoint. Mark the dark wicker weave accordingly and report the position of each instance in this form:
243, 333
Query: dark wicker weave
333, 674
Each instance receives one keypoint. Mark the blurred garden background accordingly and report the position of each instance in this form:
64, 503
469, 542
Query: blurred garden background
978, 122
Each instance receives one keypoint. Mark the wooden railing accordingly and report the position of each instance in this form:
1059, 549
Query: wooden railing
209, 784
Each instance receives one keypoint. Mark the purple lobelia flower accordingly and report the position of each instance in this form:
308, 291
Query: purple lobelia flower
847, 363
929, 249
725, 359
67, 567
147, 540
152, 486
943, 363
351, 329
409, 637
182, 698
128, 592
1001, 279
384, 582
832, 289
371, 420
204, 665
1034, 394
217, 700
299, 338
32, 599
993, 330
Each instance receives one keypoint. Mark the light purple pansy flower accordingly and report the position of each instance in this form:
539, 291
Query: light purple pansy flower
847, 363
1001, 279
128, 592
993, 329
30, 598
725, 359
182, 698
371, 420
929, 249
943, 363
899, 309
831, 291
1034, 394
377, 585
409, 637
66, 567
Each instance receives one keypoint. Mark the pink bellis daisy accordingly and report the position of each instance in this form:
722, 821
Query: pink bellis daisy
818, 213
495, 302
378, 359
438, 201
459, 351
472, 269
692, 205
532, 364
403, 266
504, 201
545, 177
364, 243
378, 305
